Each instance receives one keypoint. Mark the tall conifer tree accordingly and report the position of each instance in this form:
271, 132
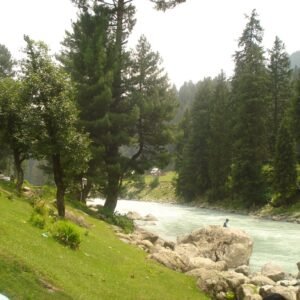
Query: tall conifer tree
249, 102
119, 116
280, 88
219, 139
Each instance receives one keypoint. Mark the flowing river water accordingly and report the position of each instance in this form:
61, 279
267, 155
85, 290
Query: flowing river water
276, 242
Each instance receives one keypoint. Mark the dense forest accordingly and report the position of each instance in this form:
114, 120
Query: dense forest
239, 137
103, 112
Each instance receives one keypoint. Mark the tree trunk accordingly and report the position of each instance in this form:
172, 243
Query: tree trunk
59, 182
19, 171
85, 191
112, 193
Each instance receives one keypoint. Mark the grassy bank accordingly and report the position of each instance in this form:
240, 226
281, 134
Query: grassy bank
35, 266
152, 188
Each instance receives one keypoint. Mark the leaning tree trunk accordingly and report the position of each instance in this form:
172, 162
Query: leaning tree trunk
60, 186
112, 193
19, 171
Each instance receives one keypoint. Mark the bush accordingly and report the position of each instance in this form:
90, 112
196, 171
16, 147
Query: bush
66, 234
40, 207
119, 220
37, 220
154, 183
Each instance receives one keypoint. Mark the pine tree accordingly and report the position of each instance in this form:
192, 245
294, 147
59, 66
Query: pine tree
294, 114
154, 100
285, 166
219, 139
6, 62
249, 97
280, 88
127, 103
193, 175
87, 57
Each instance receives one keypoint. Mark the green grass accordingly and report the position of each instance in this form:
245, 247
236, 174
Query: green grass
164, 192
36, 267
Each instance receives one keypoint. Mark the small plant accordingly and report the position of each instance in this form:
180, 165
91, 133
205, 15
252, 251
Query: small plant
66, 234
119, 220
40, 207
37, 220
154, 183
230, 295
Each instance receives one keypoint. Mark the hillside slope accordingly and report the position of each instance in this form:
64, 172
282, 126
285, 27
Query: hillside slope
34, 266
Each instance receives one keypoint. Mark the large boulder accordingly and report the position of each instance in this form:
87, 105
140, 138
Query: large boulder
260, 280
170, 259
248, 292
288, 293
231, 245
207, 263
212, 282
273, 271
234, 279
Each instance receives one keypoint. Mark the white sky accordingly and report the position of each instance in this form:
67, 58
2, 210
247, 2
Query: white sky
196, 39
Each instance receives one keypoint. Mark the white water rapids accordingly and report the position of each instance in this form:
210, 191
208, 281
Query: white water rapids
277, 242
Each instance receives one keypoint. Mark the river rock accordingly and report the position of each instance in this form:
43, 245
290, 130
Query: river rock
149, 217
273, 271
212, 282
146, 245
141, 234
234, 279
260, 280
231, 245
188, 250
243, 269
248, 292
298, 265
134, 215
170, 259
208, 264
287, 293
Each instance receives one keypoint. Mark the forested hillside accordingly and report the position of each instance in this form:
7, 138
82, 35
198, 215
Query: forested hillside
239, 137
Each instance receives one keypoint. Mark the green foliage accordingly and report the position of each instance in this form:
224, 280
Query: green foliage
280, 88
285, 171
54, 133
154, 183
117, 219
294, 115
66, 233
125, 99
230, 295
38, 220
249, 91
6, 62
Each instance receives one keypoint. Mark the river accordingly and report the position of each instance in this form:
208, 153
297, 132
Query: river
277, 242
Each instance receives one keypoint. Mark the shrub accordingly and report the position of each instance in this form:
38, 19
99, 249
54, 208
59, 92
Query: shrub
139, 182
37, 220
154, 183
66, 234
119, 220
40, 207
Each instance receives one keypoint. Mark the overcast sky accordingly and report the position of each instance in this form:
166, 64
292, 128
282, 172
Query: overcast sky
196, 39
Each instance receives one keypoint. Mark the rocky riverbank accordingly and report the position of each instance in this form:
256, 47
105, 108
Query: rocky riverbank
218, 257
